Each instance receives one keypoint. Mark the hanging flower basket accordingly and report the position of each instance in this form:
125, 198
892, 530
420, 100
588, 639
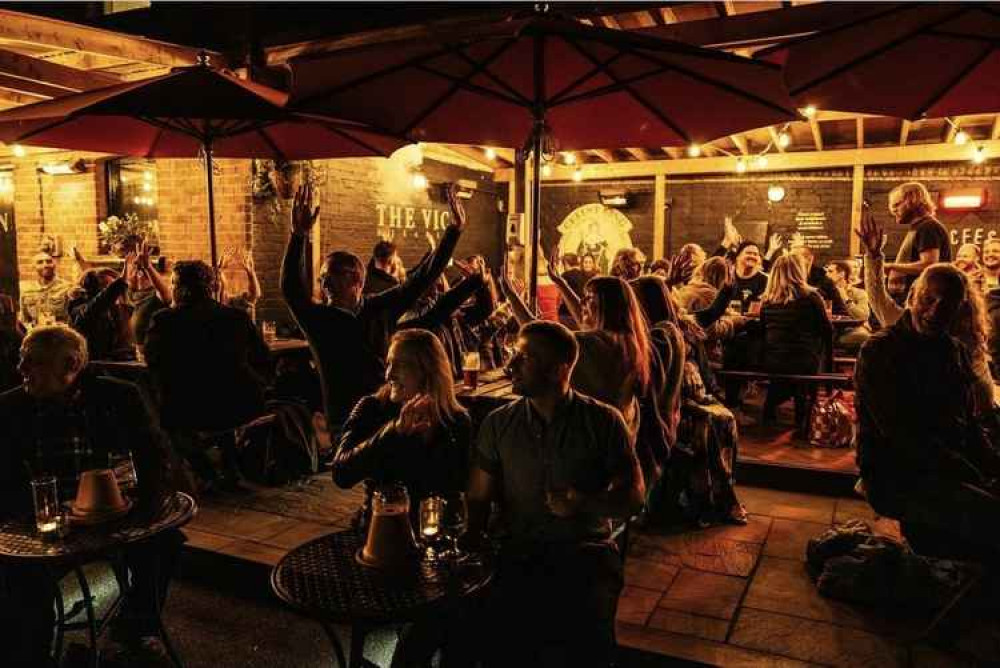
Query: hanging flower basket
122, 235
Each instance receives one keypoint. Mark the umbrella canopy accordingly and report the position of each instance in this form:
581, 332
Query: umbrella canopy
909, 60
190, 112
593, 87
512, 82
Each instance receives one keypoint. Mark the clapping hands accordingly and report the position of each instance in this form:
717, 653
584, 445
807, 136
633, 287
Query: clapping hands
415, 417
459, 217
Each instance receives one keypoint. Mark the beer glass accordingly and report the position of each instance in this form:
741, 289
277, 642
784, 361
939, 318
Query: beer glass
45, 494
270, 329
454, 517
470, 369
124, 467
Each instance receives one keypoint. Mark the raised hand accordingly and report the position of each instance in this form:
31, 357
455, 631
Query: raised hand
227, 257
796, 241
415, 416
144, 251
459, 217
132, 268
775, 243
303, 215
554, 264
681, 270
870, 232
245, 259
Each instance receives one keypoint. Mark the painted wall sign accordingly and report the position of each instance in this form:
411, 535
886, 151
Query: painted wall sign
596, 230
812, 226
397, 221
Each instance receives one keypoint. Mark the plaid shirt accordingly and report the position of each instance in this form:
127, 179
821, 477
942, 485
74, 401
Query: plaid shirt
62, 447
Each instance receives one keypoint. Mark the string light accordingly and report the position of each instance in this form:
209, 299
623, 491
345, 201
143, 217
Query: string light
578, 174
546, 170
569, 158
741, 166
490, 153
418, 181
784, 139
693, 150
761, 161
808, 111
961, 137
18, 151
979, 155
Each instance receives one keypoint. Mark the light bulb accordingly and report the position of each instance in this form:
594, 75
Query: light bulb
569, 158
578, 174
546, 170
784, 139
961, 137
808, 111
147, 176
419, 181
979, 155
693, 150
741, 166
146, 187
490, 153
18, 150
760, 162
137, 200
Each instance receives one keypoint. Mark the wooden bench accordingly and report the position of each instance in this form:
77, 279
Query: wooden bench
820, 379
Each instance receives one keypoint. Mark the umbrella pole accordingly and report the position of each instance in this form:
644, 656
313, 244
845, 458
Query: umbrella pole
211, 203
536, 214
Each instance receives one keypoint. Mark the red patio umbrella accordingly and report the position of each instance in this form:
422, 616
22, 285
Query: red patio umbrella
190, 112
909, 60
511, 83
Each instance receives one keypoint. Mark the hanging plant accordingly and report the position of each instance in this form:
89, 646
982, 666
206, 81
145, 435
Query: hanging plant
122, 235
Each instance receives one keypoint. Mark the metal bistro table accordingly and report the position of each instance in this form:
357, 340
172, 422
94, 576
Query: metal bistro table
21, 545
322, 579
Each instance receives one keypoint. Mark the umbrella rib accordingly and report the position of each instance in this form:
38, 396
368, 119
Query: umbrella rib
270, 142
961, 36
470, 86
656, 112
869, 56
955, 81
495, 79
436, 104
600, 67
156, 141
356, 140
610, 88
714, 82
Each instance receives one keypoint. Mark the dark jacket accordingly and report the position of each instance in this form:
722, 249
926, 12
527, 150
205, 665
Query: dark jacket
10, 356
207, 363
371, 449
798, 335
377, 281
993, 308
117, 420
915, 406
103, 322
350, 348
819, 280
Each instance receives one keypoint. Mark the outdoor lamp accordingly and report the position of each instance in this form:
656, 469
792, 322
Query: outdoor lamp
775, 194
615, 199
64, 167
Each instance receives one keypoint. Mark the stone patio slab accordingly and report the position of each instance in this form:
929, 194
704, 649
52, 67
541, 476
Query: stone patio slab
688, 624
788, 505
636, 604
705, 594
788, 538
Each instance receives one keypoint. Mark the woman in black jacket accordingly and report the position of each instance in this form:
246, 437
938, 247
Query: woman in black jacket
412, 430
798, 335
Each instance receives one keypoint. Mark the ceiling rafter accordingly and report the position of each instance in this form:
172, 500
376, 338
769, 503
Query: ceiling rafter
995, 130
741, 143
602, 153
638, 153
19, 85
859, 129
817, 133
43, 71
775, 140
904, 132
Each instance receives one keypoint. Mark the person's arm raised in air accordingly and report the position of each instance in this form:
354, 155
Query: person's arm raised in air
445, 305
160, 285
872, 240
569, 297
253, 284
521, 312
293, 285
401, 299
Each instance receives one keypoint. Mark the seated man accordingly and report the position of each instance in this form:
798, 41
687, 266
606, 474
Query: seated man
562, 466
208, 365
922, 457
840, 272
63, 421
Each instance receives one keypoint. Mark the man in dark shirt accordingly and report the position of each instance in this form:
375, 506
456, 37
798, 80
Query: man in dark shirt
927, 241
63, 421
922, 457
208, 365
98, 312
562, 466
817, 278
349, 335
750, 279
380, 276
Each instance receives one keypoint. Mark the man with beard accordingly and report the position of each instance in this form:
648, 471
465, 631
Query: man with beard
563, 466
927, 241
48, 298
991, 264
750, 279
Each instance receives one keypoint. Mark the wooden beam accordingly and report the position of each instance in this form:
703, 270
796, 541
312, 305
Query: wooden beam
32, 29
741, 143
18, 98
953, 127
507, 154
860, 131
644, 19
659, 215
777, 162
610, 21
603, 154
27, 67
674, 152
857, 199
729, 8
904, 132
774, 139
638, 153
453, 154
668, 15
816, 133
29, 87
995, 130
826, 115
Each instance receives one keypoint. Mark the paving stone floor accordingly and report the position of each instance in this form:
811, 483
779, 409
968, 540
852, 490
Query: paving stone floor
730, 595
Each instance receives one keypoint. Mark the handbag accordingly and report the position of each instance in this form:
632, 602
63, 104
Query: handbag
832, 423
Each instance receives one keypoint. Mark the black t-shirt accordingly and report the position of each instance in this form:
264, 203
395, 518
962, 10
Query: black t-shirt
925, 234
750, 289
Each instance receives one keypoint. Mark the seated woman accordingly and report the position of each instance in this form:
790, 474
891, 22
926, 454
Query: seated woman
798, 334
701, 485
412, 430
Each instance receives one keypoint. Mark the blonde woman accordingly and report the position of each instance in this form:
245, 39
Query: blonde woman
798, 335
412, 430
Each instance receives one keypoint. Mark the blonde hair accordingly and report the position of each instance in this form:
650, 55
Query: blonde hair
915, 198
58, 340
435, 371
787, 281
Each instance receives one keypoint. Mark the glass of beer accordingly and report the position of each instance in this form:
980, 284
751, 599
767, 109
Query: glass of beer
470, 370
47, 515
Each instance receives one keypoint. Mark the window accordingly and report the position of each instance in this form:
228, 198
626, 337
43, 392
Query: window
131, 192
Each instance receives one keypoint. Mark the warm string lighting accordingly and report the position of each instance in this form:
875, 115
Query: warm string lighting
569, 158
418, 181
491, 153
693, 150
18, 151
578, 175
546, 170
979, 155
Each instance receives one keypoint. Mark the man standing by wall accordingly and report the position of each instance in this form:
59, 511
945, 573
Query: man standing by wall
48, 298
927, 241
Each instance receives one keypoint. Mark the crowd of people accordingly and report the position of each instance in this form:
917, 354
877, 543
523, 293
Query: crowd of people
620, 416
